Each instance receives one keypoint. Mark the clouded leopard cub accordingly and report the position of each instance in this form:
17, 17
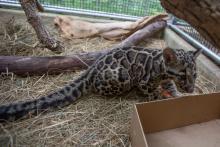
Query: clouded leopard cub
117, 72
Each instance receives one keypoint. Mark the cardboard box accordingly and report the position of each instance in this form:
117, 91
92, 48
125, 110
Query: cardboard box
190, 121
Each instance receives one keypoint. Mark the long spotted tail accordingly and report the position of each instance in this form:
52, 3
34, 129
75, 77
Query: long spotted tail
63, 97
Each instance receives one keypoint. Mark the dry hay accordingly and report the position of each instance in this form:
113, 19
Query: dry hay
92, 121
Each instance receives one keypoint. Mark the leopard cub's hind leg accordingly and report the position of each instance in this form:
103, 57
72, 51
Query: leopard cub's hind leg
110, 82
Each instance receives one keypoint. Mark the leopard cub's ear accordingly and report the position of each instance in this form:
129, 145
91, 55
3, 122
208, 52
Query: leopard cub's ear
196, 53
170, 56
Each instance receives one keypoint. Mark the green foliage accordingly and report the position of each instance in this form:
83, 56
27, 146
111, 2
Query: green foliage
129, 7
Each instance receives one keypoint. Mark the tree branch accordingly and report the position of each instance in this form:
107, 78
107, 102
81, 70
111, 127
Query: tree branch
30, 8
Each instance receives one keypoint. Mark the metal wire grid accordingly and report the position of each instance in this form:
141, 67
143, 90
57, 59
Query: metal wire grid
116, 9
127, 7
195, 34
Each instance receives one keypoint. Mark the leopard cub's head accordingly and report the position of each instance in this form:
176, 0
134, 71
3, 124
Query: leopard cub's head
181, 67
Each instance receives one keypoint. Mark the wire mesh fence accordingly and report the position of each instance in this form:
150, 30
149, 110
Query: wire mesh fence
195, 34
127, 9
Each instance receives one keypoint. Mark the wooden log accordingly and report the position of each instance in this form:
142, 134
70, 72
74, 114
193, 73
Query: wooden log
143, 33
203, 15
22, 65
30, 8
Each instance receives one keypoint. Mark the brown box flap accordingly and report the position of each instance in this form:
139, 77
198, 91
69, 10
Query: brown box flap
178, 112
